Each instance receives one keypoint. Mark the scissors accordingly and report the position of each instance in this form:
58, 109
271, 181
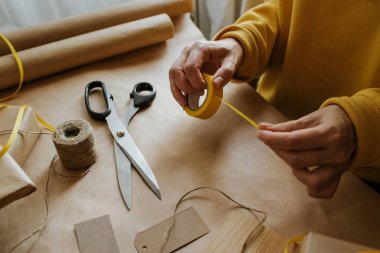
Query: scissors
121, 136
141, 96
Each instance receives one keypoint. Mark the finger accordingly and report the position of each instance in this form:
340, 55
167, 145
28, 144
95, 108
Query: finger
226, 71
310, 138
183, 83
177, 94
325, 193
304, 158
176, 73
307, 121
321, 182
198, 55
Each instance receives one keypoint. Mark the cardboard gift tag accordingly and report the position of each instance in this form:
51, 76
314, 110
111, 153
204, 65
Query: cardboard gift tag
188, 226
96, 236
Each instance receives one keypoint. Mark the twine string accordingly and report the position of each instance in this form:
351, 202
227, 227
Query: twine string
253, 211
75, 144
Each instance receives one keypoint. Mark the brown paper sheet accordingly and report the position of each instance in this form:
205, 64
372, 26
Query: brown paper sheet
188, 226
96, 236
14, 182
29, 37
82, 49
183, 152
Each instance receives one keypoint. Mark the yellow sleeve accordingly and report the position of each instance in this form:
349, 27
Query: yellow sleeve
256, 31
364, 110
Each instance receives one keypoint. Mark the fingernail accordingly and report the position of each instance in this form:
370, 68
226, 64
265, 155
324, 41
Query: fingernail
219, 81
263, 125
199, 92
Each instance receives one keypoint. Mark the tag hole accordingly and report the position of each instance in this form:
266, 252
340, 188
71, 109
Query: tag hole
145, 247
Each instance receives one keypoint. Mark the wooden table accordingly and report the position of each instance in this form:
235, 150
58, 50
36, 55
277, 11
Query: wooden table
184, 153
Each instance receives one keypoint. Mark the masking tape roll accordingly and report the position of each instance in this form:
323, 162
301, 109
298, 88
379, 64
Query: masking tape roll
211, 104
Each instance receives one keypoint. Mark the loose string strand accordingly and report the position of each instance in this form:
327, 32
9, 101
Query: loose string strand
253, 211
21, 132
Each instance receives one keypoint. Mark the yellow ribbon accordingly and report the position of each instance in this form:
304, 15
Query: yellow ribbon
292, 241
19, 65
17, 124
253, 123
16, 127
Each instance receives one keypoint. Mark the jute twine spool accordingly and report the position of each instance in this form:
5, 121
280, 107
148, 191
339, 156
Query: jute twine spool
75, 144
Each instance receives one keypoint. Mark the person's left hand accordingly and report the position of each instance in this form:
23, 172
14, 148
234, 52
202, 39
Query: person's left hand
325, 138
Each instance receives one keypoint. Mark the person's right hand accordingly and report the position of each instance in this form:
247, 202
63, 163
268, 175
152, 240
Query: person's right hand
223, 56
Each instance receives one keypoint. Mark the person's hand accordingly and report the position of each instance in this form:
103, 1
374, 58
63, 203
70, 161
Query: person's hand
223, 57
325, 138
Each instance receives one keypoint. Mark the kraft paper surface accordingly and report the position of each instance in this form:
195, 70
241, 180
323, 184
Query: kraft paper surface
55, 30
184, 153
82, 49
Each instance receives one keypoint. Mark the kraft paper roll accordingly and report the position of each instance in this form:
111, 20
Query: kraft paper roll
211, 104
75, 51
29, 37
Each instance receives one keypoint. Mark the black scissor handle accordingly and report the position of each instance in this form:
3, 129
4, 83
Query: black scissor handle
107, 97
143, 100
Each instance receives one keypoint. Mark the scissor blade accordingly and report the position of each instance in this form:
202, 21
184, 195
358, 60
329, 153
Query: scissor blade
131, 150
124, 169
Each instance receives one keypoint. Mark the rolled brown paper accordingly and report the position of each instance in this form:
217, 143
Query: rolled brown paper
75, 51
29, 37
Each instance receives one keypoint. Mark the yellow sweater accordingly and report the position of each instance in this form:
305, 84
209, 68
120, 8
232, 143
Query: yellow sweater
315, 53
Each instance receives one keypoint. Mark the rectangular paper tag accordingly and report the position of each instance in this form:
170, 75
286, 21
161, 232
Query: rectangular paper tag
188, 226
96, 236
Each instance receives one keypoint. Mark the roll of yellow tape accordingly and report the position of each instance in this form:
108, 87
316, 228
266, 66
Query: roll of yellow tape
209, 106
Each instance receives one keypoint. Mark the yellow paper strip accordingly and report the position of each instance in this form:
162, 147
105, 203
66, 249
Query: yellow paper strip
253, 123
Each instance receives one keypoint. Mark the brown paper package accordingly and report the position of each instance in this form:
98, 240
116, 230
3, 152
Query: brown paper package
14, 182
82, 49
29, 37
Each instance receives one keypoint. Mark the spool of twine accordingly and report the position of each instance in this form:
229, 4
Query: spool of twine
75, 144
